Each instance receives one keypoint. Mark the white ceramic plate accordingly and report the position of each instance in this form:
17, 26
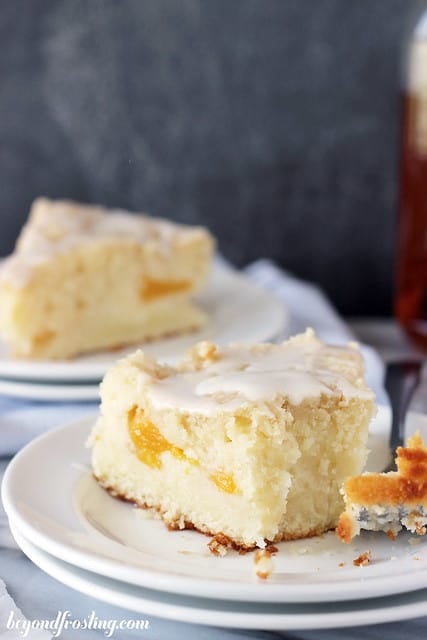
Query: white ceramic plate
50, 495
249, 615
238, 311
48, 391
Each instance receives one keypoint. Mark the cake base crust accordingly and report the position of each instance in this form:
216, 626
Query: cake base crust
182, 524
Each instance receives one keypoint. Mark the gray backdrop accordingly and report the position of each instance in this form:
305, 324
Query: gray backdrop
273, 122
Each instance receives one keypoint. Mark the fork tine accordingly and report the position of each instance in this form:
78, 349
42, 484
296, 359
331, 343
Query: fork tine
402, 378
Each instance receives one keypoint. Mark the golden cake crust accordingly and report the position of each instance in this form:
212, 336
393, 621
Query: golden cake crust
408, 485
403, 492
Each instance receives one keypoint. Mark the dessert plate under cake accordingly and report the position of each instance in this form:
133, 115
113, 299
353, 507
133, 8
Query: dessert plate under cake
238, 310
73, 519
218, 612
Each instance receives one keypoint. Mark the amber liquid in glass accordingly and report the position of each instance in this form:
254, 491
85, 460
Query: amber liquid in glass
411, 281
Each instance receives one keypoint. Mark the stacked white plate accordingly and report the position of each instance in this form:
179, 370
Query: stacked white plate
109, 550
237, 309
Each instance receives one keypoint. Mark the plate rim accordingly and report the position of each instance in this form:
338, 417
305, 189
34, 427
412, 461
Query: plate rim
58, 569
52, 392
162, 580
67, 371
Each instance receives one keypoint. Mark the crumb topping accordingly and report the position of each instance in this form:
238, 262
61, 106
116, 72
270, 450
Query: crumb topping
55, 226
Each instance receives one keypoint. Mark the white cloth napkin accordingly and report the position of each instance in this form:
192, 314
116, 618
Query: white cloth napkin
9, 613
308, 306
21, 421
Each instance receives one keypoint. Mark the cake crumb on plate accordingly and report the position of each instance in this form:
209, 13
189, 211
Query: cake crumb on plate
363, 560
263, 563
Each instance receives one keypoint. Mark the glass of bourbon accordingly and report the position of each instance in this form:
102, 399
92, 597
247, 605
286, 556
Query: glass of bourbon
411, 276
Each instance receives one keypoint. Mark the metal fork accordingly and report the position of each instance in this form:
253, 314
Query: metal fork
402, 378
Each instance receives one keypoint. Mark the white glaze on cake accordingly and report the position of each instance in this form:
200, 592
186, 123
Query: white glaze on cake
296, 370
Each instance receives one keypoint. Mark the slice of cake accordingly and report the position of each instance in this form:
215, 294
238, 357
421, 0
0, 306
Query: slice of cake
83, 278
250, 442
388, 501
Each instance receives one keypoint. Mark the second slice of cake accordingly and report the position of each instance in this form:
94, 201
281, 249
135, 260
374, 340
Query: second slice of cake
252, 442
83, 278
